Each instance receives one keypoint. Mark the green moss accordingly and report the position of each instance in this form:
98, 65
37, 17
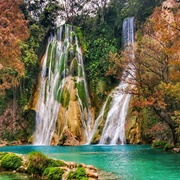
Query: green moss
62, 65
78, 174
53, 173
58, 94
11, 162
162, 144
37, 163
168, 147
74, 48
80, 71
81, 38
159, 144
63, 97
55, 163
82, 93
51, 57
2, 154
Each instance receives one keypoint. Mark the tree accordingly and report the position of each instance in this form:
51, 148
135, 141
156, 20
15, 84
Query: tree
13, 30
81, 8
42, 12
140, 9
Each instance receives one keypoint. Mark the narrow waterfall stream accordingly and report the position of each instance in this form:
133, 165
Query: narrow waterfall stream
114, 131
62, 90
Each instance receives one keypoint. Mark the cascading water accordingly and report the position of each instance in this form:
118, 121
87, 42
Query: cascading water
114, 131
62, 73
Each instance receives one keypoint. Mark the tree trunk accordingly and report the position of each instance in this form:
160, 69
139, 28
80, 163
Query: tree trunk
166, 117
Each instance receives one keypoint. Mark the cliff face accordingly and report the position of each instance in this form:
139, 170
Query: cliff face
15, 126
69, 121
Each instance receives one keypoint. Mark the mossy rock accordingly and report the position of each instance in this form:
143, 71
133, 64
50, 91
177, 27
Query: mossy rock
53, 173
2, 154
78, 174
82, 93
101, 87
11, 162
37, 163
55, 163
65, 98
74, 67
159, 144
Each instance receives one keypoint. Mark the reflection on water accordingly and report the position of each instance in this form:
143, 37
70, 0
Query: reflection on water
127, 161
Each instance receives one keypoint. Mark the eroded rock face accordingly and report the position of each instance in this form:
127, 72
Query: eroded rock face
69, 127
133, 128
68, 139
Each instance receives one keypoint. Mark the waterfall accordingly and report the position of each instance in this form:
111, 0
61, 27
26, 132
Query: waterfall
114, 130
62, 66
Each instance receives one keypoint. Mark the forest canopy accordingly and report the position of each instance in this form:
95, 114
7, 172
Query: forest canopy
13, 30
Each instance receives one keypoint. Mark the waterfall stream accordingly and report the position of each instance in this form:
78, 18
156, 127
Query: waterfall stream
62, 78
114, 131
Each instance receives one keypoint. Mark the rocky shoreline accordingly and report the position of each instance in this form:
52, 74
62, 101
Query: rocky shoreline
91, 173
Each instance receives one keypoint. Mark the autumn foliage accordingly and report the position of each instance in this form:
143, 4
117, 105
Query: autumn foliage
13, 30
156, 65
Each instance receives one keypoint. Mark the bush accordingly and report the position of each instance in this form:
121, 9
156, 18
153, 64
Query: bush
37, 163
2, 154
79, 174
11, 162
168, 147
159, 144
55, 163
53, 173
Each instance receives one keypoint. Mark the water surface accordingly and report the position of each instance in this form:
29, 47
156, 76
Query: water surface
136, 162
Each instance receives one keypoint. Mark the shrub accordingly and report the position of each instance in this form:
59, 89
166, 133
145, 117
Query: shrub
2, 154
159, 144
79, 174
168, 146
37, 163
11, 162
53, 173
55, 163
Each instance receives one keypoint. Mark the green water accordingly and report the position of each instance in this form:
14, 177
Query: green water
136, 162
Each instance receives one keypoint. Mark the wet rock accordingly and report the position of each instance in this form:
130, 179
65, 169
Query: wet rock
177, 150
71, 165
68, 139
91, 171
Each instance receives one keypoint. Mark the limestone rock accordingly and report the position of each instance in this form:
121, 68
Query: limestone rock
68, 139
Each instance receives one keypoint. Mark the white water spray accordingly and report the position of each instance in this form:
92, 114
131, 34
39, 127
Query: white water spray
114, 130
